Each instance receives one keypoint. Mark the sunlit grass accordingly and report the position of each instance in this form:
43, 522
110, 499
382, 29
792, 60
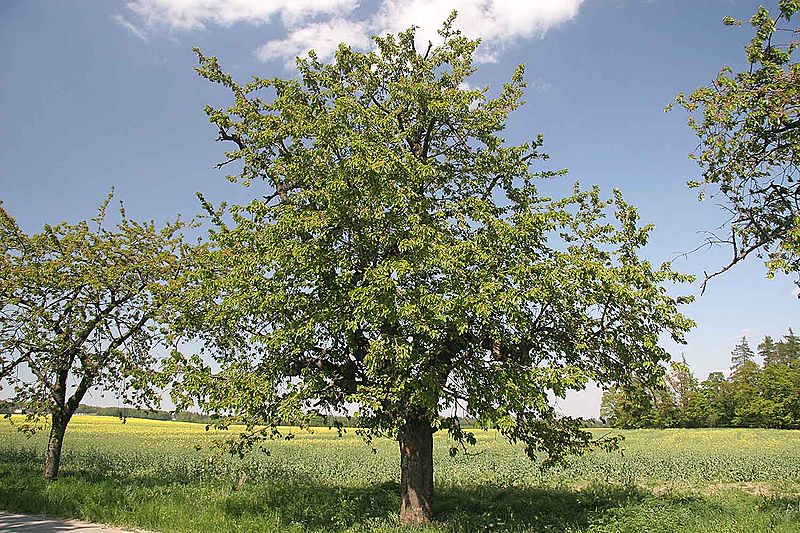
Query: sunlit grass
168, 476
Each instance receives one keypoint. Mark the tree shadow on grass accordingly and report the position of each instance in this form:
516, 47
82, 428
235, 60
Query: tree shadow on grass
479, 508
284, 501
787, 504
488, 508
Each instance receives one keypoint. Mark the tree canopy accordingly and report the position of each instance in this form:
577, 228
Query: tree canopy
402, 263
748, 124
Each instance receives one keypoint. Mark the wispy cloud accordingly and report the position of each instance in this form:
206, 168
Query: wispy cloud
196, 14
122, 21
323, 24
539, 85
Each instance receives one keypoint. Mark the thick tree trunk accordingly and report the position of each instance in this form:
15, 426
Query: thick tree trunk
53, 460
416, 471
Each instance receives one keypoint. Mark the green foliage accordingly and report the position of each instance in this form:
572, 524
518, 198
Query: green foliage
682, 386
748, 124
749, 407
752, 396
714, 404
405, 263
666, 403
82, 306
787, 351
767, 351
741, 354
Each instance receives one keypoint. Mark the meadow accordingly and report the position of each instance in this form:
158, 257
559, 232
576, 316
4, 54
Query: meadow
169, 476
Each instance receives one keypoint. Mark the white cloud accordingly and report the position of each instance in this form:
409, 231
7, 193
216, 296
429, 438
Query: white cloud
496, 22
122, 21
323, 37
323, 24
196, 14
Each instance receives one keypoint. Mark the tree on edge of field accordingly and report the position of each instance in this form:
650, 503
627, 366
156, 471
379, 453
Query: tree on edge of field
637, 405
741, 354
767, 351
750, 407
670, 402
82, 306
749, 132
683, 387
788, 349
714, 405
403, 262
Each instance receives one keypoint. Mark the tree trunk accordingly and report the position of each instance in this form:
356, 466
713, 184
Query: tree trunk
416, 471
54, 443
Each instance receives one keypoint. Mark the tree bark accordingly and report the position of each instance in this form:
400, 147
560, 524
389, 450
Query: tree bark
416, 471
60, 415
53, 460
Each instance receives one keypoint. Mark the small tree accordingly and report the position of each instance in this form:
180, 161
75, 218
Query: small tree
768, 351
668, 403
741, 353
631, 406
788, 349
751, 409
403, 262
716, 400
749, 131
80, 308
683, 386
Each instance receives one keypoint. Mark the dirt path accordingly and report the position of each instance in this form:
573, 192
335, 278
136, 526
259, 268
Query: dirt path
18, 523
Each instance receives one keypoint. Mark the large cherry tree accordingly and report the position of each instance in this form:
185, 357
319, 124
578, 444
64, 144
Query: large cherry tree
403, 265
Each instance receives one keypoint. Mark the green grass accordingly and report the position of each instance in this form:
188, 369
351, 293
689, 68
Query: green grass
149, 474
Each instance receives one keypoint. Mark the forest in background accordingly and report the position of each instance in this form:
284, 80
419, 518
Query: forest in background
752, 395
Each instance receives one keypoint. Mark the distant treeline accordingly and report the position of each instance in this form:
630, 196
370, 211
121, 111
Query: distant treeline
7, 407
151, 414
185, 416
754, 395
130, 412
188, 416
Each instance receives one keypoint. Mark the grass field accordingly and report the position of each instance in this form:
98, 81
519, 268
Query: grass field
149, 474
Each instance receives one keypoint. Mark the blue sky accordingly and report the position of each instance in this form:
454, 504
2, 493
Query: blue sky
99, 93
